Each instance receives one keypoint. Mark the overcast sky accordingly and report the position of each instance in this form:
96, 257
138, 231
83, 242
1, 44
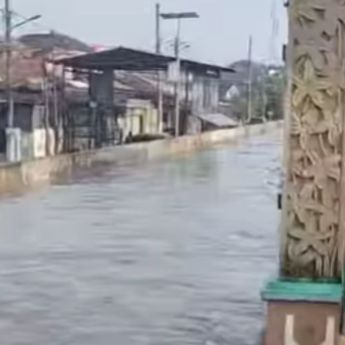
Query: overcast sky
220, 35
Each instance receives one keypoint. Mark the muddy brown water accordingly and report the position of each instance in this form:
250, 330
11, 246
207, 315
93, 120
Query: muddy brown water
166, 253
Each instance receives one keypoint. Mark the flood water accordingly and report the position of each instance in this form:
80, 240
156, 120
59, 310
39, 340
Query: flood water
166, 253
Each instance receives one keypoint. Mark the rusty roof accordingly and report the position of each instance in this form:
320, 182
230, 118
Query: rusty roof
26, 71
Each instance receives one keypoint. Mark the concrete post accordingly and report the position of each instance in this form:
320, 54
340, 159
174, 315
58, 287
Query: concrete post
13, 145
304, 304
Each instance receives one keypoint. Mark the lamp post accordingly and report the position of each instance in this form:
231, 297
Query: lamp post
178, 16
26, 21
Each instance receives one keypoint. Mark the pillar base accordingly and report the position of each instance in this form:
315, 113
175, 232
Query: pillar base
302, 313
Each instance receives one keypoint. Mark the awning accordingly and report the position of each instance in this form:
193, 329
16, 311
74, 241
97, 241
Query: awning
219, 120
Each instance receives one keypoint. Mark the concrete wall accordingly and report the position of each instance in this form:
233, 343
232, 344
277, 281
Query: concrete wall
141, 118
34, 144
29, 174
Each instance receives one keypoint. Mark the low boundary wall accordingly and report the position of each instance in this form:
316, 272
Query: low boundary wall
16, 177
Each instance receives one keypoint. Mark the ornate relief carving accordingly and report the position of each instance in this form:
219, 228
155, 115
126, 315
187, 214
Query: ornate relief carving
313, 215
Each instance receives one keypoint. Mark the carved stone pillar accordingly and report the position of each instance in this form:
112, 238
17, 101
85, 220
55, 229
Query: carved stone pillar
313, 216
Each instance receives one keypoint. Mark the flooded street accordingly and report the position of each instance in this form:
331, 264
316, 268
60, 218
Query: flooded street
166, 253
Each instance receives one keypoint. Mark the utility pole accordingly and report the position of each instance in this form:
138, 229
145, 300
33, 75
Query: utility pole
159, 73
8, 63
264, 96
179, 16
250, 82
158, 28
178, 78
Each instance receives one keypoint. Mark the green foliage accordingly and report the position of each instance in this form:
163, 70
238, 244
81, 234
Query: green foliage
274, 90
268, 84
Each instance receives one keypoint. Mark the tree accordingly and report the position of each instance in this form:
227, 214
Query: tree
268, 83
275, 86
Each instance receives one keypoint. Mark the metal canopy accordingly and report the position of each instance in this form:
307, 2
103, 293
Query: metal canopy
134, 60
118, 58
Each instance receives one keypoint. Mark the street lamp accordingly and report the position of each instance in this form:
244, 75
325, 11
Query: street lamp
25, 21
178, 16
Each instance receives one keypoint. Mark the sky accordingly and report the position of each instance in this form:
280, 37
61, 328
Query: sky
220, 35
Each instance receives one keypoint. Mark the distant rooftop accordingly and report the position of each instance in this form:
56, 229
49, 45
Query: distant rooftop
51, 40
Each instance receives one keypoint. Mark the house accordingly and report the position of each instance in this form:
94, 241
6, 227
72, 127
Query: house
27, 89
35, 88
139, 70
68, 98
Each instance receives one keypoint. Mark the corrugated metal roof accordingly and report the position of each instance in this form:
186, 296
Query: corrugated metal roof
27, 69
123, 58
30, 65
218, 120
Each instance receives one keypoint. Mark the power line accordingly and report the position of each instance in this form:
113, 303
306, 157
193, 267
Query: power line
275, 25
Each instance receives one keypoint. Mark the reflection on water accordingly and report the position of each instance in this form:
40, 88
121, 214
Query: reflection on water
172, 252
